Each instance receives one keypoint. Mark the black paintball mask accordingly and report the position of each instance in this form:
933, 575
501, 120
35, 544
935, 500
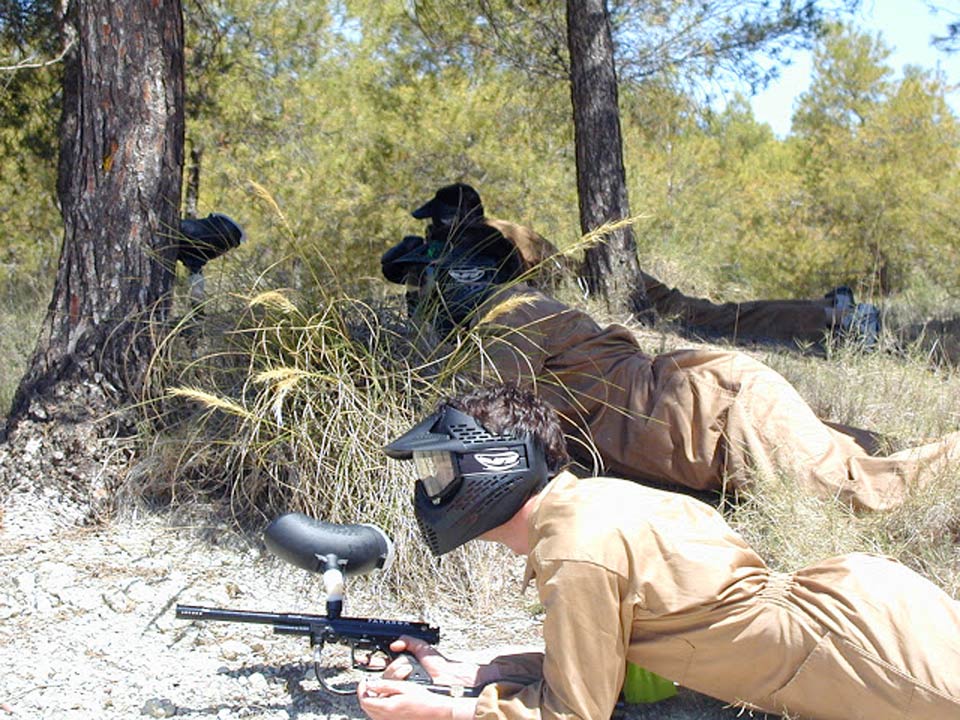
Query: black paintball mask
454, 288
469, 480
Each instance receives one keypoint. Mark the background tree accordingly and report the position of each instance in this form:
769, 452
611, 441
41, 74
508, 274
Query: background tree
31, 50
31, 54
949, 41
610, 267
121, 145
704, 40
879, 165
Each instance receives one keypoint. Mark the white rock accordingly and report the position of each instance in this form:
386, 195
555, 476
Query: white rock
117, 601
232, 649
88, 599
257, 681
26, 582
158, 708
140, 592
56, 578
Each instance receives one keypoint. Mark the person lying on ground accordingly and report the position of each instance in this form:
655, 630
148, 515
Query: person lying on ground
457, 216
627, 573
708, 420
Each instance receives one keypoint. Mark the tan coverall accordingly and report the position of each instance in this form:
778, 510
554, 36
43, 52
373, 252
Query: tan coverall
697, 418
627, 572
785, 320
539, 254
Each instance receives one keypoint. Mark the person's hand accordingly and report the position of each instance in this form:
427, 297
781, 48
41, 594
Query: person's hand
393, 700
443, 671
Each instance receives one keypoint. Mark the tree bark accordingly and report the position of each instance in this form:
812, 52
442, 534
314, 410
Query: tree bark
119, 184
610, 269
192, 196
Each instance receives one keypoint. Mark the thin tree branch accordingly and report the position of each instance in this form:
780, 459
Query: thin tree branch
37, 65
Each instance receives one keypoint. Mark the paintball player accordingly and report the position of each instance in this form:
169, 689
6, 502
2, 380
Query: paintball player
457, 216
457, 219
630, 573
703, 419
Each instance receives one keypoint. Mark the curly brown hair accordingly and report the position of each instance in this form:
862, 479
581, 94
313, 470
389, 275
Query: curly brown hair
506, 408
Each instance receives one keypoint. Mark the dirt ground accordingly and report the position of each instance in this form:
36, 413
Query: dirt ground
88, 630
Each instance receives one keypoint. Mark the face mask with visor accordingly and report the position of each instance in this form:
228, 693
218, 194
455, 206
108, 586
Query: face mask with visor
436, 469
469, 480
452, 290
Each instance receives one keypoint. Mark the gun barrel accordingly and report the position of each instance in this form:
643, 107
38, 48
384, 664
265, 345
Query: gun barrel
196, 612
318, 627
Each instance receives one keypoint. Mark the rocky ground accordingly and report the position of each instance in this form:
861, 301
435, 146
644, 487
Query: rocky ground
88, 630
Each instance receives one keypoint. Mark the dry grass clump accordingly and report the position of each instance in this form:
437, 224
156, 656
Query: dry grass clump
289, 412
924, 533
791, 529
21, 314
897, 395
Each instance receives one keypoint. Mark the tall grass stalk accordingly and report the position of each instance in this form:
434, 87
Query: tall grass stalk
20, 317
290, 413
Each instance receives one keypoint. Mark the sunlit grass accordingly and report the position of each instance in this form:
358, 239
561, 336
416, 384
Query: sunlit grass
20, 318
288, 410
277, 400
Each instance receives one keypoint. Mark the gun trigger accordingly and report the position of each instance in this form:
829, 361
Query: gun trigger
417, 673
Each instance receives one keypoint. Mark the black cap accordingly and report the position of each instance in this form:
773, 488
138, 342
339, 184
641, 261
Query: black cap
459, 200
841, 291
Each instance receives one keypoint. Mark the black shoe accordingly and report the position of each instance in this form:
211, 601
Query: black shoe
203, 240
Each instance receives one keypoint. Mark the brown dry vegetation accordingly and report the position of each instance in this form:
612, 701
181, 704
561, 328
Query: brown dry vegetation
288, 409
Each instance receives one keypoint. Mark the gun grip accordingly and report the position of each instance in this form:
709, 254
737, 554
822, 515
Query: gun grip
417, 673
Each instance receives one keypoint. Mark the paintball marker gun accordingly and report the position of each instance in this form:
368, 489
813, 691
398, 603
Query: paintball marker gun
335, 551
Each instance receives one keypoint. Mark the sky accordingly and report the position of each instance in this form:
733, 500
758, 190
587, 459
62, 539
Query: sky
906, 26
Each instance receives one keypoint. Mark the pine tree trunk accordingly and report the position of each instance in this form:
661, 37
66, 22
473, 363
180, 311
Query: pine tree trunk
611, 269
191, 197
119, 185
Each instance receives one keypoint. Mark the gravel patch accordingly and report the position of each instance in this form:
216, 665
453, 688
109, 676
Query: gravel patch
87, 626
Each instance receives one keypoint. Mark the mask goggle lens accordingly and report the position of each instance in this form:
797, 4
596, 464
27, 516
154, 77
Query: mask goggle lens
436, 471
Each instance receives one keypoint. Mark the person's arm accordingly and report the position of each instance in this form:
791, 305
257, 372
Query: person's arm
387, 698
586, 633
399, 700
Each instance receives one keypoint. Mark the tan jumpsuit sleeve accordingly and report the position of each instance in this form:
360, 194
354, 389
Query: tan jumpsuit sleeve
522, 668
586, 632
